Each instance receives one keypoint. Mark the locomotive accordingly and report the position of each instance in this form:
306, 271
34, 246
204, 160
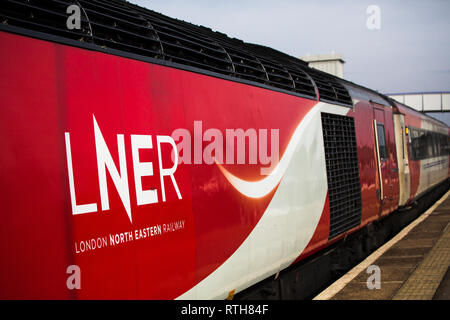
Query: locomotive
156, 159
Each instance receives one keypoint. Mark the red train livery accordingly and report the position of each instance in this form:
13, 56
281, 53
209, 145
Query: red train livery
128, 166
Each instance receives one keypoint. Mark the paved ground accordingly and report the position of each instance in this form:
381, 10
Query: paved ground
415, 267
443, 291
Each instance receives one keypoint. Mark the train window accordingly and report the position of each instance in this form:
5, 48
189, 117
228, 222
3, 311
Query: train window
429, 144
423, 145
447, 146
426, 144
436, 144
414, 144
381, 142
444, 145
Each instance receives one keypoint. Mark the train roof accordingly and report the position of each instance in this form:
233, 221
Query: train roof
122, 28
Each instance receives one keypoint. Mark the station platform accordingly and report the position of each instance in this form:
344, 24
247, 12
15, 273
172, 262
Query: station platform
414, 265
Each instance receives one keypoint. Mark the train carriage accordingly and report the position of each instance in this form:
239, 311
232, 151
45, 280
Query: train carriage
165, 160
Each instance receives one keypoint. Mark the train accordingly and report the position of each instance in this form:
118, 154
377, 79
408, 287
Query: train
145, 157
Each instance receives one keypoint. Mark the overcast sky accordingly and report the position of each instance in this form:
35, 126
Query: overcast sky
409, 53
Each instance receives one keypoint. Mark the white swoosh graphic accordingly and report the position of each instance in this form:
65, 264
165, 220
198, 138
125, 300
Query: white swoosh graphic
258, 189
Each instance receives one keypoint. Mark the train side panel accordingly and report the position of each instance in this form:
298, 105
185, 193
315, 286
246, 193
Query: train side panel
435, 166
143, 176
35, 229
390, 174
427, 149
369, 178
89, 125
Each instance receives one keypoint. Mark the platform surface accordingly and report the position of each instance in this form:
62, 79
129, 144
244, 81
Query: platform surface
414, 265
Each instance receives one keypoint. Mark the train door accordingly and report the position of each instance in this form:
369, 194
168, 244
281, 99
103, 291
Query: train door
402, 158
381, 156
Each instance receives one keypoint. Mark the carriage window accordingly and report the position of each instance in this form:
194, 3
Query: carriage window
429, 145
423, 145
447, 146
436, 144
444, 145
415, 144
426, 144
381, 142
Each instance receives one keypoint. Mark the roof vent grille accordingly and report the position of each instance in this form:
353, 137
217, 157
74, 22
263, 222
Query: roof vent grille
329, 89
120, 25
43, 16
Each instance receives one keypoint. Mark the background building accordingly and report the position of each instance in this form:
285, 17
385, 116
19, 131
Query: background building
332, 63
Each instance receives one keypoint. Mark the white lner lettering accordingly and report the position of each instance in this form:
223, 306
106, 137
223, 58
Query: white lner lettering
171, 171
119, 177
76, 208
142, 169
105, 160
